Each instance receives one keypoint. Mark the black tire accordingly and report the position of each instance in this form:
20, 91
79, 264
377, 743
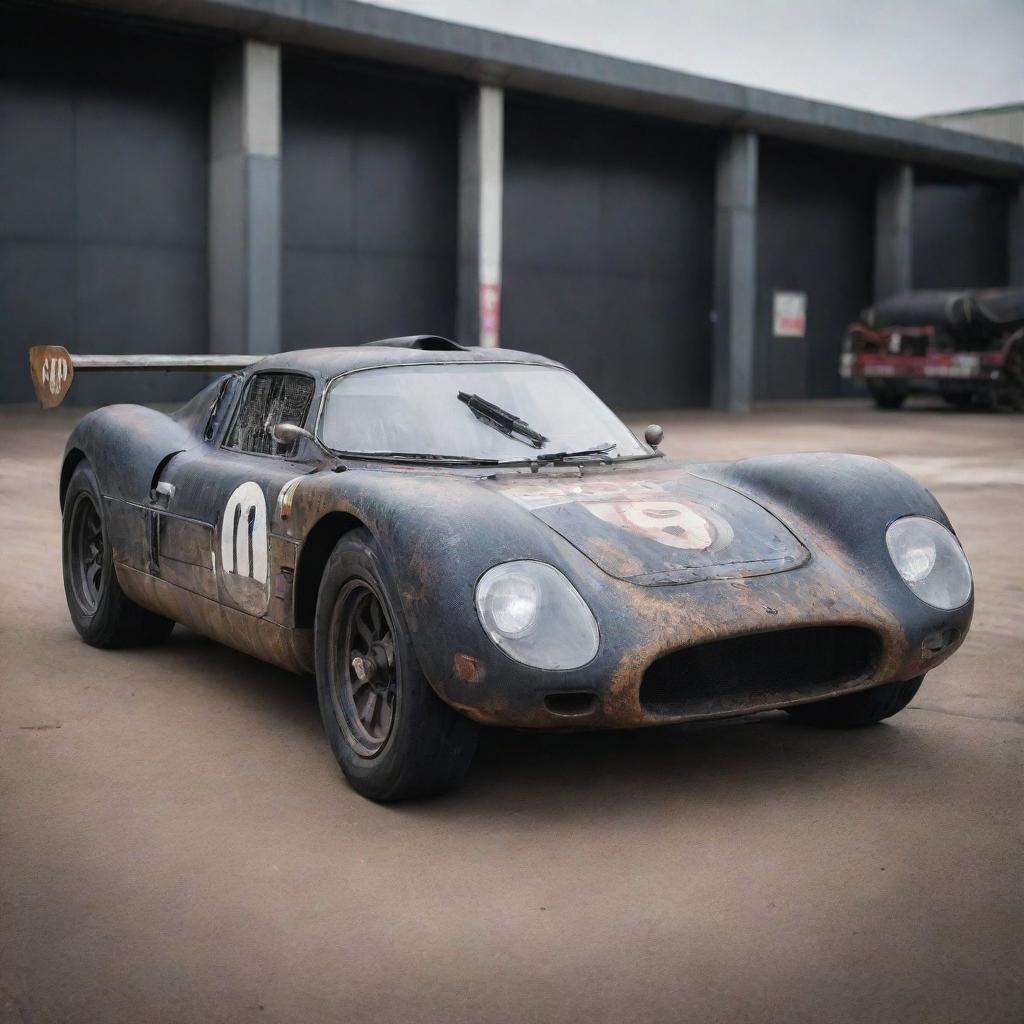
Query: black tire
866, 707
888, 400
392, 735
1008, 395
959, 399
100, 610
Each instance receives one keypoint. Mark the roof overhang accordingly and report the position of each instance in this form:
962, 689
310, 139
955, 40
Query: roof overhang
384, 34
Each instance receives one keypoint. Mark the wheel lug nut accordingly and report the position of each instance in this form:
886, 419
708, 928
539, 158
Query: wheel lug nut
362, 667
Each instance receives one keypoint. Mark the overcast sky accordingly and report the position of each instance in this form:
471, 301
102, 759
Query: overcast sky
904, 57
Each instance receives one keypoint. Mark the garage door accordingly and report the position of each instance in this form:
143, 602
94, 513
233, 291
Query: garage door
607, 249
370, 178
103, 198
814, 236
959, 233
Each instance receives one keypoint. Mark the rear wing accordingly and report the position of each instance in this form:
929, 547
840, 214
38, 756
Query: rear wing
53, 368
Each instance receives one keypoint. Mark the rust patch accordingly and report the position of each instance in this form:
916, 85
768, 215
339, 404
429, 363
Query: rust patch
467, 668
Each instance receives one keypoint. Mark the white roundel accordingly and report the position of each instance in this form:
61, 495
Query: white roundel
675, 524
243, 534
671, 522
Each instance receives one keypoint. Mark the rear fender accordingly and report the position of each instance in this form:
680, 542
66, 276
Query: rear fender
125, 444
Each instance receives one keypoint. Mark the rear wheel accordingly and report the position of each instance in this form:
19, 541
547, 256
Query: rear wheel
866, 707
959, 399
392, 735
100, 610
1008, 395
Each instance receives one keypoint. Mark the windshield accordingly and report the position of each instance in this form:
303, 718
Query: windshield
416, 410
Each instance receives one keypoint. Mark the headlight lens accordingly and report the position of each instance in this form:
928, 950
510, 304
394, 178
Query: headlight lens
535, 615
512, 602
930, 560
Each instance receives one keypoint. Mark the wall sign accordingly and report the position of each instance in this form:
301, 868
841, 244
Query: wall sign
490, 315
789, 314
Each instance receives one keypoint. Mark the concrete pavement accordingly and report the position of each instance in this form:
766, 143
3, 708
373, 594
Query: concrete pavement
177, 844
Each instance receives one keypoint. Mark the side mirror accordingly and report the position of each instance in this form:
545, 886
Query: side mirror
653, 435
289, 433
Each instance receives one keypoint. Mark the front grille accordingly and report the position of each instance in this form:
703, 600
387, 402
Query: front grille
759, 670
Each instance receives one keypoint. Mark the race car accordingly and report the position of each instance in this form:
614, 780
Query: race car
449, 537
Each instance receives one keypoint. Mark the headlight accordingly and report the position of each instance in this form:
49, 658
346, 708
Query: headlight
535, 615
930, 560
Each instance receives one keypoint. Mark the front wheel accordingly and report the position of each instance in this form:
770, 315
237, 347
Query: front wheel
392, 735
866, 707
888, 399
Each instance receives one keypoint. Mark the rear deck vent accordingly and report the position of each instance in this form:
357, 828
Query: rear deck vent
758, 671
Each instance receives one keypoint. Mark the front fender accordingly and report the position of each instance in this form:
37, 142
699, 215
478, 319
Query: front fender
846, 494
841, 506
439, 534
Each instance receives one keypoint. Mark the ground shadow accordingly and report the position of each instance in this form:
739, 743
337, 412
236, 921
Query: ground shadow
562, 775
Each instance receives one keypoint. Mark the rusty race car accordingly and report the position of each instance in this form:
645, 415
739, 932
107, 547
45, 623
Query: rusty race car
450, 536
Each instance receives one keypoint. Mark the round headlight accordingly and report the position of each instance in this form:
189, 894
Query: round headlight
930, 560
535, 615
511, 599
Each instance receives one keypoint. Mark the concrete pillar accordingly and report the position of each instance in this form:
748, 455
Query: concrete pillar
1015, 237
481, 170
894, 231
245, 200
735, 267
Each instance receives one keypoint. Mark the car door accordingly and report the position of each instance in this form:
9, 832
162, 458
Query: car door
216, 535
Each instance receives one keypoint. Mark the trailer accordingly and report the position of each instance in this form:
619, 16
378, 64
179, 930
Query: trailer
967, 346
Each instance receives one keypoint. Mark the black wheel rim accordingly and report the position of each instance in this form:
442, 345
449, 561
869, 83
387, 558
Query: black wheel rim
363, 674
85, 555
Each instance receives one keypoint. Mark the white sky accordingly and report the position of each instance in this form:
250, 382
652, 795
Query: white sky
903, 57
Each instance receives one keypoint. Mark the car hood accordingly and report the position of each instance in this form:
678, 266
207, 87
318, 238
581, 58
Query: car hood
659, 526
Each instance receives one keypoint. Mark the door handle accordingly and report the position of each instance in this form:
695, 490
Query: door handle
162, 493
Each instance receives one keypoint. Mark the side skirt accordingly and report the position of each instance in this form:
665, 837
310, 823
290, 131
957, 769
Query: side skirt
291, 649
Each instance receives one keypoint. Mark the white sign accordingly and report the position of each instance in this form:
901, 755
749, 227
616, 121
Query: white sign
789, 314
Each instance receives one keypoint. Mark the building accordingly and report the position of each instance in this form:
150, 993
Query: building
1005, 122
248, 175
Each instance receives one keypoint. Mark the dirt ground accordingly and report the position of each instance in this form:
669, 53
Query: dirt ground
177, 843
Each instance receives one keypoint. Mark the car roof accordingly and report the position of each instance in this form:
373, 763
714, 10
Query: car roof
329, 362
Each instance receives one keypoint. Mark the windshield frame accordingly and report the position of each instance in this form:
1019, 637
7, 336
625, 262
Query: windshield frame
428, 459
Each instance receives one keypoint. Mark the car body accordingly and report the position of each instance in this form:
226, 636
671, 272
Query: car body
967, 346
713, 588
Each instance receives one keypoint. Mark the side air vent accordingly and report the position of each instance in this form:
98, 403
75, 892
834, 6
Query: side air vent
426, 342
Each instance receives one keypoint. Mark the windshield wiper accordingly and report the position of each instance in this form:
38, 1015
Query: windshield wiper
602, 449
422, 457
503, 421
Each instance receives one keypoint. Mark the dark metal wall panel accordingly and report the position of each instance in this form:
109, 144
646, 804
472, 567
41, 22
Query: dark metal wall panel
607, 245
815, 235
103, 198
370, 179
959, 234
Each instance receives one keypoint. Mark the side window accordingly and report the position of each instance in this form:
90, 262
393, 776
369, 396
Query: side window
221, 405
269, 399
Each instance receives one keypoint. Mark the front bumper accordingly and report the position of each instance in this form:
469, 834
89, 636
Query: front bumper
643, 629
